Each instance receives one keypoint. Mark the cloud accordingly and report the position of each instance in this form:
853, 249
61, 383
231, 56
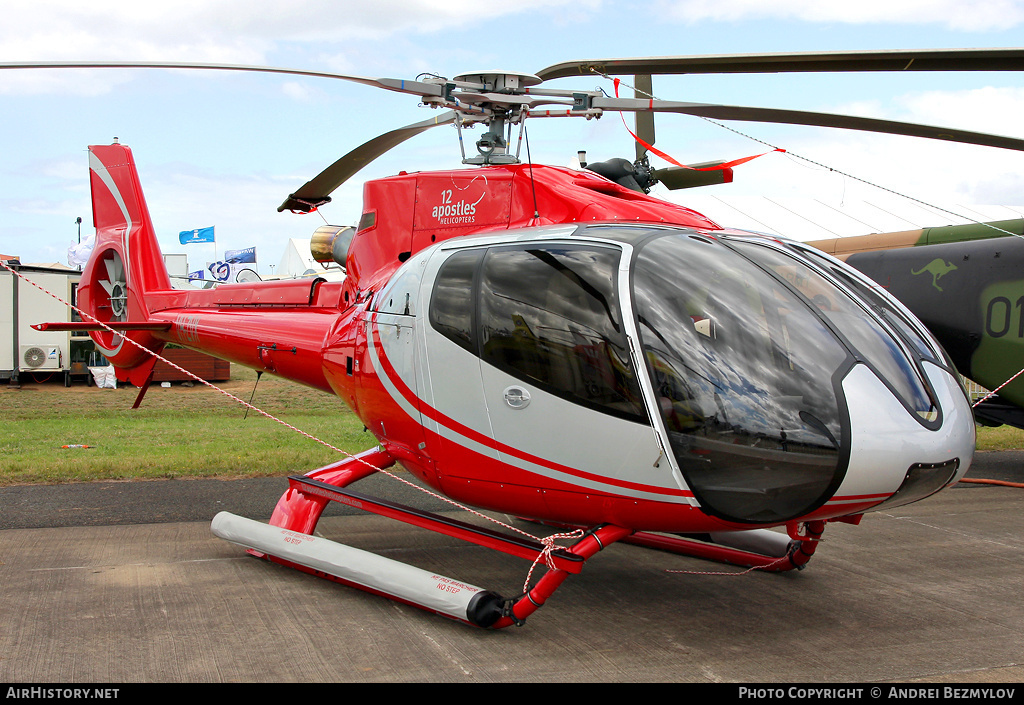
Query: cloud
958, 15
243, 31
300, 92
986, 109
251, 32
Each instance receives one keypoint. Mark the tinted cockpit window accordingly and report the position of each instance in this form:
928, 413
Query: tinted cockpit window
548, 315
920, 340
451, 304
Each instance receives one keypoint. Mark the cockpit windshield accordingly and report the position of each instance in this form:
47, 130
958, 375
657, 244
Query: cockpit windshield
745, 377
865, 333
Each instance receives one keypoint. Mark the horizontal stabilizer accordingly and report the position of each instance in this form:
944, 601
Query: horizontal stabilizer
116, 325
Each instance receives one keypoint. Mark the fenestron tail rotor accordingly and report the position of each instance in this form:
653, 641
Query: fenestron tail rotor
116, 286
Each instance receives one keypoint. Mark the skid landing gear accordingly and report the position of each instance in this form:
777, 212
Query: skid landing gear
758, 548
288, 540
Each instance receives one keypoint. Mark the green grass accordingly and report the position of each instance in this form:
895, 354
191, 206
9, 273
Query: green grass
178, 432
1000, 438
184, 432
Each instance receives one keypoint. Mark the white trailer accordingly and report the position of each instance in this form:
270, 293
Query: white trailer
26, 351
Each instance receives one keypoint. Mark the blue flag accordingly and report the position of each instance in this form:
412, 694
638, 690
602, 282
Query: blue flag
187, 237
241, 256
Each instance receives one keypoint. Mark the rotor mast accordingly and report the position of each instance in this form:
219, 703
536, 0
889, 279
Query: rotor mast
500, 96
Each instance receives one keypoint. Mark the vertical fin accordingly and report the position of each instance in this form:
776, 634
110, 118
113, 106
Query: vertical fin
126, 263
121, 217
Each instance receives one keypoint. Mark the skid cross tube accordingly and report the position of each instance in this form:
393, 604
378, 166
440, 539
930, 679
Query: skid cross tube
300, 512
518, 610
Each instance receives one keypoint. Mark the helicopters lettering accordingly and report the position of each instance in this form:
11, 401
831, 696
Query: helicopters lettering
547, 343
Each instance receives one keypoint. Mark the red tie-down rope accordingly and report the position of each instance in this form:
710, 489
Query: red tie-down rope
974, 405
670, 160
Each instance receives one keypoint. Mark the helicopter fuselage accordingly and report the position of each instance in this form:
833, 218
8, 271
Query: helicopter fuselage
545, 343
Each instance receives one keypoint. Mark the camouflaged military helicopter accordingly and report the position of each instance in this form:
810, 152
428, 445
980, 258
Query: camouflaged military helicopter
966, 283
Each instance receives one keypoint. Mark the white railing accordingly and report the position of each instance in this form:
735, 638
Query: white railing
975, 390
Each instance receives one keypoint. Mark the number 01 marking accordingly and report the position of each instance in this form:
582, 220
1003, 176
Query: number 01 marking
999, 315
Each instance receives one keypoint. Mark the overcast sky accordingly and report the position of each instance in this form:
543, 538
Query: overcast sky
224, 149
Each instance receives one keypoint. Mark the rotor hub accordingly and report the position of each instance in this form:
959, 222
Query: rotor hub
119, 301
499, 80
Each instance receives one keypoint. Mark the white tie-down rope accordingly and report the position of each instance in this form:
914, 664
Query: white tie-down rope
548, 543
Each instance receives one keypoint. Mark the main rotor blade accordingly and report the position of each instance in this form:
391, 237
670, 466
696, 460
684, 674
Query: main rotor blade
316, 192
391, 84
799, 117
643, 87
1011, 59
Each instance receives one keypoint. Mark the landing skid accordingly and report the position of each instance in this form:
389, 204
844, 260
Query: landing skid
288, 540
758, 548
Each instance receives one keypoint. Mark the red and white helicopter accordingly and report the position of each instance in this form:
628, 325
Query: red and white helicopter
556, 344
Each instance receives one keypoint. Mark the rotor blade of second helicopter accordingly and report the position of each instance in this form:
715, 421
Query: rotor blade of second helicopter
988, 59
799, 117
643, 86
317, 190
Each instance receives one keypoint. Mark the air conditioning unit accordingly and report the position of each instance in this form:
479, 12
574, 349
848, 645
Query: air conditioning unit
40, 357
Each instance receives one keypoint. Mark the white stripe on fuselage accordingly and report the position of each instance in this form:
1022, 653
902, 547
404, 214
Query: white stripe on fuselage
456, 437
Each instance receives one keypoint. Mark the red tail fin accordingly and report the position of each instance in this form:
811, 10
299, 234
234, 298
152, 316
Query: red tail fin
126, 262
